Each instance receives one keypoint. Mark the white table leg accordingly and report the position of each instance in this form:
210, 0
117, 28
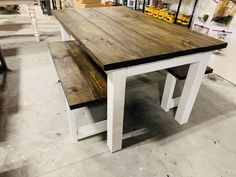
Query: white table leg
168, 92
116, 81
191, 88
34, 22
64, 35
58, 4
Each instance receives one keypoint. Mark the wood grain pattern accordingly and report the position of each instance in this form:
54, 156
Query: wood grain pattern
181, 72
82, 82
117, 37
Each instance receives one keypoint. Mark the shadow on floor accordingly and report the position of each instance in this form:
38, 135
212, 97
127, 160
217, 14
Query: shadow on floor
145, 119
16, 172
9, 95
144, 111
10, 52
13, 27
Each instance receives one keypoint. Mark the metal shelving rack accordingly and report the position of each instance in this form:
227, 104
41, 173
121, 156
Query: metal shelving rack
177, 12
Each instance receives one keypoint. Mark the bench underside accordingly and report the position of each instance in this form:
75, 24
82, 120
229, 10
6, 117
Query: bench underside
181, 72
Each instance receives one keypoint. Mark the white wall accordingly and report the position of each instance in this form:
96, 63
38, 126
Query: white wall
224, 64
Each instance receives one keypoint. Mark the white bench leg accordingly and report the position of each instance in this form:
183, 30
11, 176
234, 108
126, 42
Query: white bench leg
78, 133
65, 36
168, 92
34, 22
92, 129
191, 88
73, 125
116, 82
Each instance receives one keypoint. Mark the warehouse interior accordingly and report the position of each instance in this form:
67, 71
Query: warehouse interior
35, 138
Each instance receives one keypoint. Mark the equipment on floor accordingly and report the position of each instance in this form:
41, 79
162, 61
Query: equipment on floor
3, 66
45, 6
48, 5
10, 9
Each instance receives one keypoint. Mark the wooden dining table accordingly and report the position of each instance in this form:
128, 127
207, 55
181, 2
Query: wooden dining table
124, 43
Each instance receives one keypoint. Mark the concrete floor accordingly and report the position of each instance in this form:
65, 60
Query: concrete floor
34, 134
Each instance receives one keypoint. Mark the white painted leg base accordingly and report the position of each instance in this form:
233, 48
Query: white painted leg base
189, 93
92, 129
78, 133
167, 101
73, 125
65, 36
34, 22
191, 87
116, 81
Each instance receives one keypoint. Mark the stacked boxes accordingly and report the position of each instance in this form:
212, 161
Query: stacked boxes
167, 15
87, 3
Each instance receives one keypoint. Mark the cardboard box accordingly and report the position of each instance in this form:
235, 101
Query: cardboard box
78, 4
89, 1
91, 5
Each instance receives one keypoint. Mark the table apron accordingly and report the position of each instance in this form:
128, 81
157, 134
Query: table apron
165, 64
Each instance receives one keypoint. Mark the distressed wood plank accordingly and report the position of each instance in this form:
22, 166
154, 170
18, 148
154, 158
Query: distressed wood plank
98, 44
167, 34
83, 83
127, 37
181, 72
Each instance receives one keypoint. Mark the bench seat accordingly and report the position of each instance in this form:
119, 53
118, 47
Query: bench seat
173, 74
83, 83
181, 72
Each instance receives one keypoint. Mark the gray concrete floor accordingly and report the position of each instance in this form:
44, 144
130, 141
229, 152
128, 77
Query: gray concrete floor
34, 134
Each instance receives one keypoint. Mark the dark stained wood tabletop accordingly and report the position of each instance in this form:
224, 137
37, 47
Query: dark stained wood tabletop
117, 37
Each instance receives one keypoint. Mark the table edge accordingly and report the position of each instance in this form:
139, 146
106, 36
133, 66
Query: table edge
123, 64
163, 57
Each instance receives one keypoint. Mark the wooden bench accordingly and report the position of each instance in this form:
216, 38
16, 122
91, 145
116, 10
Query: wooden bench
31, 11
173, 74
82, 82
